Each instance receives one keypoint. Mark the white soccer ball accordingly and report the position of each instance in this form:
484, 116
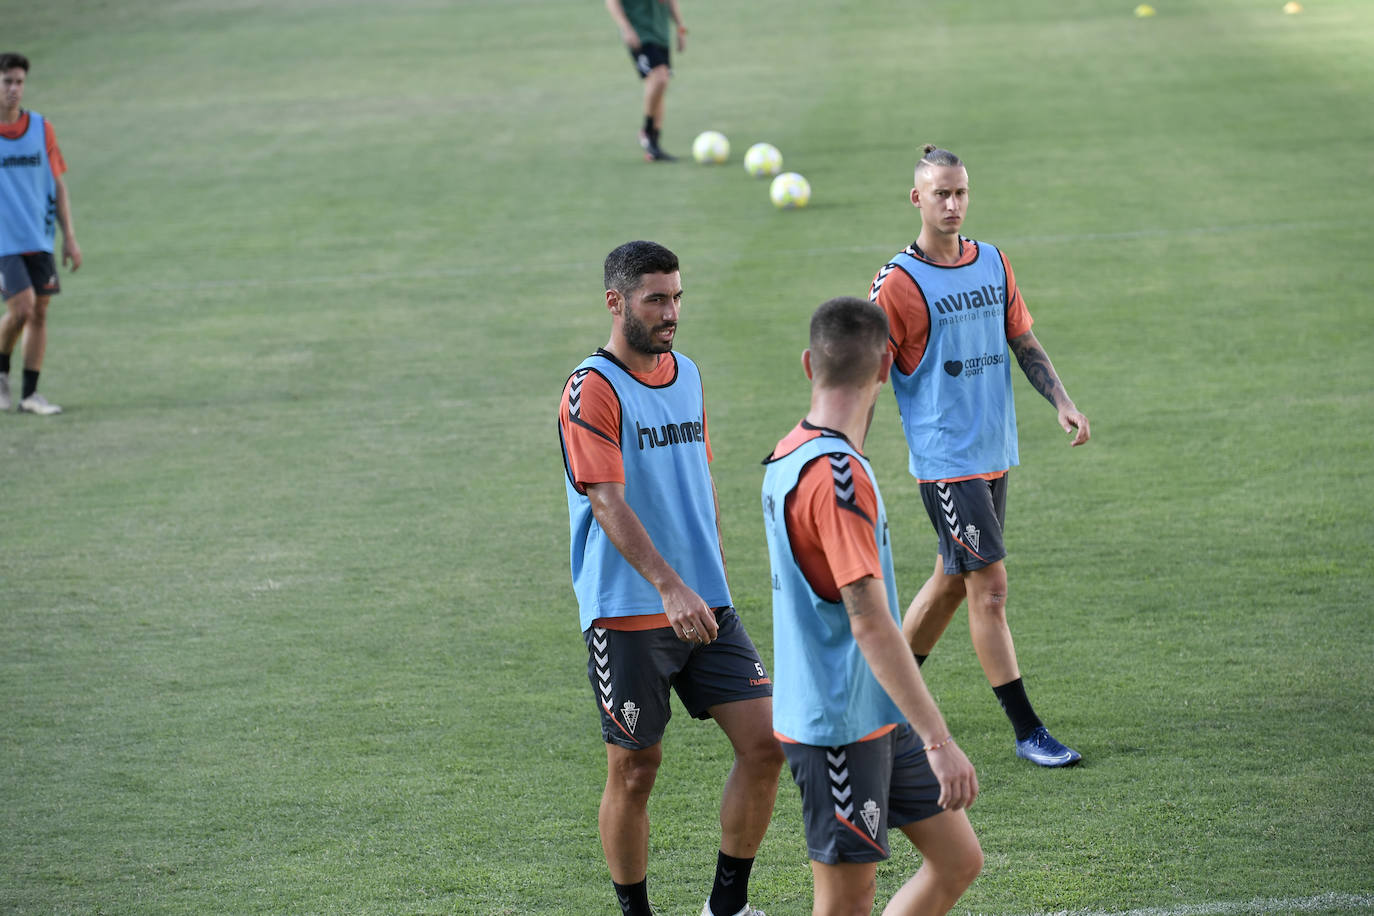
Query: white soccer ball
762, 160
789, 191
710, 146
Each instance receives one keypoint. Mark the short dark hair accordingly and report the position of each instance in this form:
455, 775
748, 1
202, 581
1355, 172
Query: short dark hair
11, 59
932, 155
626, 266
848, 336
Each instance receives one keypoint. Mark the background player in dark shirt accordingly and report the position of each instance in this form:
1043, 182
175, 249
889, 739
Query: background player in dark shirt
645, 30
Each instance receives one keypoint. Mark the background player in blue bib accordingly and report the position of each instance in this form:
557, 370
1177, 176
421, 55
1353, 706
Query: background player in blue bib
33, 203
956, 317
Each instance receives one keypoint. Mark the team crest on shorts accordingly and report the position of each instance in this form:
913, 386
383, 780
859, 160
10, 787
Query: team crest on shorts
871, 813
971, 535
630, 713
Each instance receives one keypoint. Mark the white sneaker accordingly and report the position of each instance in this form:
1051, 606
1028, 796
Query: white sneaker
6, 402
747, 911
36, 403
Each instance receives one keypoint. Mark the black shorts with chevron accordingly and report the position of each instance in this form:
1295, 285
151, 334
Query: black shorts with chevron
969, 516
852, 794
632, 672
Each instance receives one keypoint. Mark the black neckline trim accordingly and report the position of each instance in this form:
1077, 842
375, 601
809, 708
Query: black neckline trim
611, 357
824, 431
925, 258
805, 424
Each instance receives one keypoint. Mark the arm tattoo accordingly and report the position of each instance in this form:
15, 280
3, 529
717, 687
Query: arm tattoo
852, 596
1037, 367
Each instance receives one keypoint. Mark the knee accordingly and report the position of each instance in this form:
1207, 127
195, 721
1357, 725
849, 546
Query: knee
973, 867
993, 603
763, 755
863, 902
23, 305
852, 898
634, 774
990, 595
950, 591
963, 871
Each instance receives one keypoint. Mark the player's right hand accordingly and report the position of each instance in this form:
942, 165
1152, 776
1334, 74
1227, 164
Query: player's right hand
692, 620
958, 781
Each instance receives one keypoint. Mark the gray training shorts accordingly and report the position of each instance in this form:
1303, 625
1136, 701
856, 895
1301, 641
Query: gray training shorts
851, 795
968, 516
632, 671
20, 271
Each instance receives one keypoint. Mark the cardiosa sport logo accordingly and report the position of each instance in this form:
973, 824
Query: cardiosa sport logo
33, 161
974, 365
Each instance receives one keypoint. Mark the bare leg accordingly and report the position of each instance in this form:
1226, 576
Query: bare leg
36, 334
18, 309
987, 623
932, 609
844, 889
746, 804
655, 88
953, 859
624, 816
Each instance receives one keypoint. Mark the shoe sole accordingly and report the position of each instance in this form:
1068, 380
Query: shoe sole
1053, 764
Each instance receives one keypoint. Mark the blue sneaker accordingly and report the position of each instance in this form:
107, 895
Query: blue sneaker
1042, 749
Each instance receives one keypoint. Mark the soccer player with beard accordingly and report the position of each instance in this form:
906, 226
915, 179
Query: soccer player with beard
649, 574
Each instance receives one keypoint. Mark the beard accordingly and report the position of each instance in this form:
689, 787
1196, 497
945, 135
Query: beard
641, 337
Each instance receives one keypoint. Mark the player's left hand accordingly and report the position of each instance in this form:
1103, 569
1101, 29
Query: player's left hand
681, 37
71, 254
1075, 424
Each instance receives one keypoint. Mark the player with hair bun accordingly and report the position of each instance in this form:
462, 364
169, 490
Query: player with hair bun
956, 315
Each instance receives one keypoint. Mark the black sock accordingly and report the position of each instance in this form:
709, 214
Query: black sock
920, 659
1012, 696
30, 382
5, 363
649, 126
731, 891
634, 898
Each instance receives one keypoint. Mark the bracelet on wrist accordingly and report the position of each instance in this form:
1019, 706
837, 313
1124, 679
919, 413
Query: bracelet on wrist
939, 744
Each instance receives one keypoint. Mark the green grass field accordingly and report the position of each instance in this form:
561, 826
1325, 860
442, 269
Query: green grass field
287, 622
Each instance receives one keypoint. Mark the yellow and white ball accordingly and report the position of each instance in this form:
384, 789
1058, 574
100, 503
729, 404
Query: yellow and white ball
789, 191
710, 147
763, 160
